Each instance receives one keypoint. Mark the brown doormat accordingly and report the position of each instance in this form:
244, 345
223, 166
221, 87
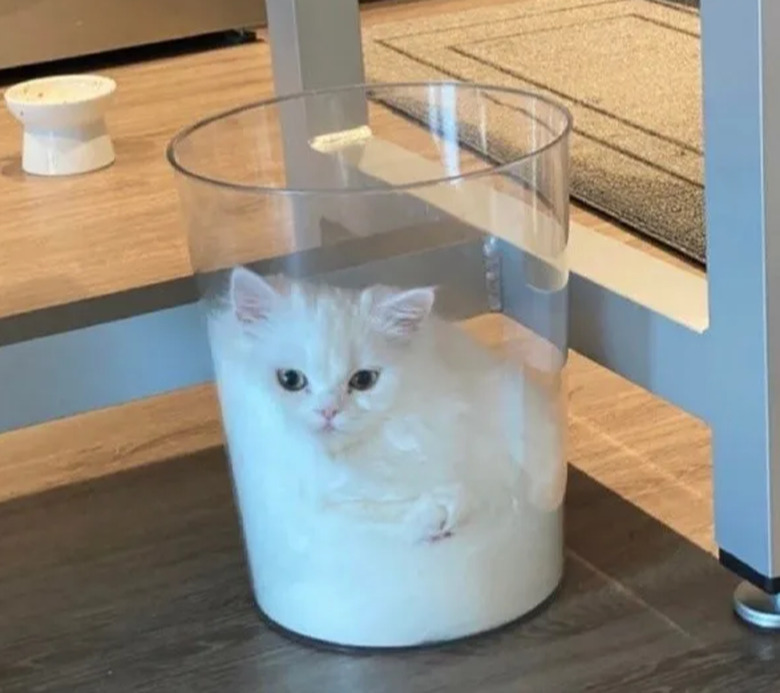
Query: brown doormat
629, 71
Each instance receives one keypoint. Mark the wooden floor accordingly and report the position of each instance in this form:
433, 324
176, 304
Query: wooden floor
120, 559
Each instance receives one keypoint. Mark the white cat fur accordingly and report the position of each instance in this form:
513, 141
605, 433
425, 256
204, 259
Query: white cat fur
442, 435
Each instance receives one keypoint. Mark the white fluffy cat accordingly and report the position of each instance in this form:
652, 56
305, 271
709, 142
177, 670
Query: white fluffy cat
412, 426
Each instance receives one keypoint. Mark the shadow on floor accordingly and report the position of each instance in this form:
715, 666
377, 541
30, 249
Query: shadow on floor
136, 582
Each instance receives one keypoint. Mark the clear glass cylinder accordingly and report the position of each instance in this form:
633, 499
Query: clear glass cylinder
386, 307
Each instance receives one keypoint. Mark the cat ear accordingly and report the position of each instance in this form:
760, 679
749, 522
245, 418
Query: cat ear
401, 313
251, 296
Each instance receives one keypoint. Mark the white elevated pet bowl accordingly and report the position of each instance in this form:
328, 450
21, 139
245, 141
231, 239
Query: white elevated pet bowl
64, 123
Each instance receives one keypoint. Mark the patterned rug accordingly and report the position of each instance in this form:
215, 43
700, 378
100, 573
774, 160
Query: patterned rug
629, 71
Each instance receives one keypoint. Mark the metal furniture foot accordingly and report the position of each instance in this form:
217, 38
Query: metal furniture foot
756, 607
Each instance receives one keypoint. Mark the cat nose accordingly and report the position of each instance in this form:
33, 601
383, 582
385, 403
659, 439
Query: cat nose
328, 413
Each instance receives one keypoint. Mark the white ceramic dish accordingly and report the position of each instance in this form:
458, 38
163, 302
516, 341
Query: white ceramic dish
64, 123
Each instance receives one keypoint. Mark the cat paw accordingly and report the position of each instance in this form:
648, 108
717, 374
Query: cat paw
439, 536
435, 515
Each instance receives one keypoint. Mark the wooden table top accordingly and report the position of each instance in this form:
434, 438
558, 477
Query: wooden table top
64, 240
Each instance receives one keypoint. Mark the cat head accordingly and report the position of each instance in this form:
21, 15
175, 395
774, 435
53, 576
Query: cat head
333, 360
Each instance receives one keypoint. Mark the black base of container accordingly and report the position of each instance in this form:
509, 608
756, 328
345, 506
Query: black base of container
335, 648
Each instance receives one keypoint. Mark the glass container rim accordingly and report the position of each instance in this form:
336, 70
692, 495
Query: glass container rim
182, 135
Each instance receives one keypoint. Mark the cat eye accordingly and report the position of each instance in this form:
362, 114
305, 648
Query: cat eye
291, 380
363, 380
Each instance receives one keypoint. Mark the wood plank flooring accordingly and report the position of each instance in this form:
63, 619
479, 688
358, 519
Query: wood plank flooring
135, 582
121, 566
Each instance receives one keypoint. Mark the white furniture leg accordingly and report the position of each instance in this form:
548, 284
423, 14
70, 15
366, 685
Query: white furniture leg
741, 55
315, 44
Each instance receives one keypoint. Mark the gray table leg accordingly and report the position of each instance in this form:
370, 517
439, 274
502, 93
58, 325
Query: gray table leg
315, 44
741, 57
